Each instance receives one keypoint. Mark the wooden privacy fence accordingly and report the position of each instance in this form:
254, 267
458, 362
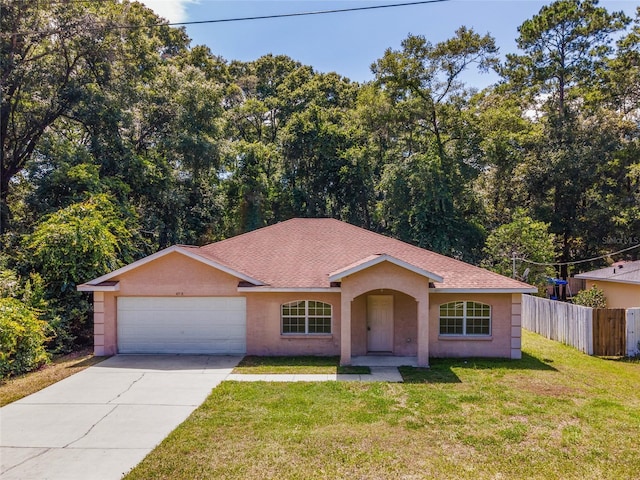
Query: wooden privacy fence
601, 331
559, 321
609, 331
633, 332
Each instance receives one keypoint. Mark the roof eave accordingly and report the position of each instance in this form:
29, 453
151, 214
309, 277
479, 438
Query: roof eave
186, 251
607, 279
267, 289
483, 290
86, 287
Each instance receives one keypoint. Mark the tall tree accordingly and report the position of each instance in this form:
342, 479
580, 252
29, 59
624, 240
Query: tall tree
432, 156
564, 46
53, 55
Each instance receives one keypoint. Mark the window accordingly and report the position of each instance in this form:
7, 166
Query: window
306, 317
465, 318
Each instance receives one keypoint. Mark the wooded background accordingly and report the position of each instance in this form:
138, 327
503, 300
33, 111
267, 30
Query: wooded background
119, 138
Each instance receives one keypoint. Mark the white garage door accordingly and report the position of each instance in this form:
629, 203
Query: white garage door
214, 325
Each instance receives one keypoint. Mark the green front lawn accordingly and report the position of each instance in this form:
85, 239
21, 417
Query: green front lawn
557, 414
301, 364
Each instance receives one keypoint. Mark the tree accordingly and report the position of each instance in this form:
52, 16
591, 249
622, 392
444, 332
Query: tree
564, 46
431, 143
55, 56
73, 245
314, 142
522, 238
22, 336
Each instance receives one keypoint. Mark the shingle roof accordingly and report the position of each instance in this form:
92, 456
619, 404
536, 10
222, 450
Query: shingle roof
303, 252
623, 272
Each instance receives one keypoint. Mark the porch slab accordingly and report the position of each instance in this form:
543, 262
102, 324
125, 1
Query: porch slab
384, 361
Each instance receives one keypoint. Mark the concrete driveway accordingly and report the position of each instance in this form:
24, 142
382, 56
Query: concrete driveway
101, 422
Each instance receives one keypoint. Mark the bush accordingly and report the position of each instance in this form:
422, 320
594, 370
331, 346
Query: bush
22, 338
594, 298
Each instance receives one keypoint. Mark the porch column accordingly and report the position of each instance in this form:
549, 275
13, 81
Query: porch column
345, 329
423, 326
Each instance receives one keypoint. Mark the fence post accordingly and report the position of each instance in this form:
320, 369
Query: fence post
633, 332
589, 321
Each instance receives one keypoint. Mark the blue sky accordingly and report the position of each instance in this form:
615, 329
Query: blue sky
348, 43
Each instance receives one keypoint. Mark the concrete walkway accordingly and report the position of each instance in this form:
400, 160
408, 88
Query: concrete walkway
101, 422
378, 374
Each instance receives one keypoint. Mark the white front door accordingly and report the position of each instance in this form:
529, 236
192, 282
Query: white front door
380, 323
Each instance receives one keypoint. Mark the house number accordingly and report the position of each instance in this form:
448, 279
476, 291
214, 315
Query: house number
179, 294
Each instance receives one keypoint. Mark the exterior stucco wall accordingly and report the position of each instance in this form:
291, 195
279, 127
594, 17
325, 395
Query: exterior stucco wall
171, 275
264, 335
359, 326
177, 275
405, 327
499, 344
416, 312
618, 295
410, 290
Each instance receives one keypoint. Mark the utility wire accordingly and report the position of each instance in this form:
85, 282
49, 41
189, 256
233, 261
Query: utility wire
243, 19
577, 261
302, 14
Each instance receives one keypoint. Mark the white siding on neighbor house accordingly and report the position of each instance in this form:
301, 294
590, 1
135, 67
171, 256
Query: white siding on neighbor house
188, 325
563, 322
633, 332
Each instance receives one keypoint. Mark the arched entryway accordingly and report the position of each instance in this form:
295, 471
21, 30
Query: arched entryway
409, 289
384, 322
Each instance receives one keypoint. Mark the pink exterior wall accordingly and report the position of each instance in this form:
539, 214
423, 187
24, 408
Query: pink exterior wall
264, 335
412, 292
405, 326
503, 332
178, 275
171, 275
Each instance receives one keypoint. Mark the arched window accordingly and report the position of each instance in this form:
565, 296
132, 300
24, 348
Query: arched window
465, 318
306, 317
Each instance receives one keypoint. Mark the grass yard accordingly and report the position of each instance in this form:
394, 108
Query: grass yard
60, 368
557, 414
296, 365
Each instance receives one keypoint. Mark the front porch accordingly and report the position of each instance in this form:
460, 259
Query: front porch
384, 361
384, 312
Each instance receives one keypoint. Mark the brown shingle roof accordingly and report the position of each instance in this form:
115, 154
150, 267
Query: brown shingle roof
303, 252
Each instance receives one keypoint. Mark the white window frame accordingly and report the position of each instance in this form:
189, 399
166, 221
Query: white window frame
307, 316
464, 318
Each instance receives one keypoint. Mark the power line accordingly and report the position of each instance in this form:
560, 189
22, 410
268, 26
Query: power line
576, 261
243, 19
302, 14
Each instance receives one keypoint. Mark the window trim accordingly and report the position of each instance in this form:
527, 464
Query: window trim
464, 318
307, 317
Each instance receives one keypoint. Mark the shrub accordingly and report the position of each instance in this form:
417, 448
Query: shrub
22, 338
594, 298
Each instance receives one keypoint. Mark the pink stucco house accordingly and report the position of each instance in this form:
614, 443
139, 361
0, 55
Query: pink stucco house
307, 287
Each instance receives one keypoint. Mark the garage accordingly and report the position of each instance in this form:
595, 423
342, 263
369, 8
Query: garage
188, 325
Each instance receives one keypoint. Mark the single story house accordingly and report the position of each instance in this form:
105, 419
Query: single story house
620, 283
307, 287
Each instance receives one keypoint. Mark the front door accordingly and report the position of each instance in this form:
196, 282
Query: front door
380, 323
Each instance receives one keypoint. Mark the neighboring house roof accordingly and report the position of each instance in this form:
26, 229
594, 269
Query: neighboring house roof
310, 253
621, 272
